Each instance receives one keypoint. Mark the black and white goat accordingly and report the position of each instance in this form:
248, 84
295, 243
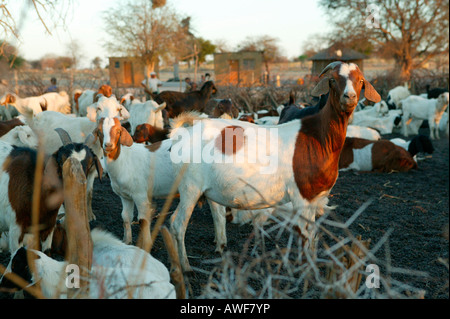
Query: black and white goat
118, 271
18, 165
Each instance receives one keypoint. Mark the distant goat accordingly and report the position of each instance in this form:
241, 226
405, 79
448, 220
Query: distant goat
178, 102
58, 102
417, 108
379, 156
435, 92
396, 95
149, 133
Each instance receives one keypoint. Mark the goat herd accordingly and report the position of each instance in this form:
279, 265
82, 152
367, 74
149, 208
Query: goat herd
238, 162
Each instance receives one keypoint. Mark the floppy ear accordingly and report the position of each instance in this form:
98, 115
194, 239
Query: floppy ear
10, 99
98, 167
125, 137
370, 93
322, 87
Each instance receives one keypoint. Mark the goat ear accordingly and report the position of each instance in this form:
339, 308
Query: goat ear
370, 93
322, 87
91, 114
91, 138
51, 182
10, 99
98, 167
125, 137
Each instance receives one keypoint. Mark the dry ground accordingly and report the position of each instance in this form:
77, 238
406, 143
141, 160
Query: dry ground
414, 205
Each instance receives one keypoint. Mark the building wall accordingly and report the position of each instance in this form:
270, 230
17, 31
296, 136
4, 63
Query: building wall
126, 72
238, 68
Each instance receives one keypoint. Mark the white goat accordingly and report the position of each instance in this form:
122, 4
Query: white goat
379, 109
418, 108
83, 100
384, 124
362, 132
149, 112
396, 95
107, 107
52, 101
128, 100
22, 136
132, 167
118, 271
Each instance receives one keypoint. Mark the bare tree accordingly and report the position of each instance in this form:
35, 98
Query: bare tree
266, 44
74, 50
138, 29
412, 32
51, 13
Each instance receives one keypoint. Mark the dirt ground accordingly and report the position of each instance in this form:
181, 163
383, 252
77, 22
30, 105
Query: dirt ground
415, 205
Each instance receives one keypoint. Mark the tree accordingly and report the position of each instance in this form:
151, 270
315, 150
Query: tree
137, 29
266, 44
9, 56
74, 50
47, 11
96, 62
412, 32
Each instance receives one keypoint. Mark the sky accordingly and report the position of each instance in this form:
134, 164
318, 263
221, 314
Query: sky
290, 21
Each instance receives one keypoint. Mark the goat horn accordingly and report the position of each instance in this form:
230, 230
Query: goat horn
329, 67
64, 136
90, 140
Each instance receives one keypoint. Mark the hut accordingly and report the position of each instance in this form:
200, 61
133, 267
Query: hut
242, 68
126, 72
335, 53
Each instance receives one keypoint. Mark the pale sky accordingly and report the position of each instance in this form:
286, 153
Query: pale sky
291, 21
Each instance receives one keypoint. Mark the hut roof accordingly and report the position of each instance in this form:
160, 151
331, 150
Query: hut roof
337, 53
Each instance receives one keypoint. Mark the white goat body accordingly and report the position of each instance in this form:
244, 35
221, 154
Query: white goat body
149, 112
22, 136
117, 270
418, 108
362, 132
397, 94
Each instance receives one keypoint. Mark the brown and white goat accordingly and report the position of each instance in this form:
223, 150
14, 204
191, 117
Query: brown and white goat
16, 189
132, 167
149, 133
6, 126
241, 165
378, 156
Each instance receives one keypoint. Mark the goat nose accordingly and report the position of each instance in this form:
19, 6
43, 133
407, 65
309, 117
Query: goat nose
350, 95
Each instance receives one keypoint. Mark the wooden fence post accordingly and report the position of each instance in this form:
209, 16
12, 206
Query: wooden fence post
79, 242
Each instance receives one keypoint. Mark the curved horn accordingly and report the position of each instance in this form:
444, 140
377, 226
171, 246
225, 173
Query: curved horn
64, 136
90, 140
329, 67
